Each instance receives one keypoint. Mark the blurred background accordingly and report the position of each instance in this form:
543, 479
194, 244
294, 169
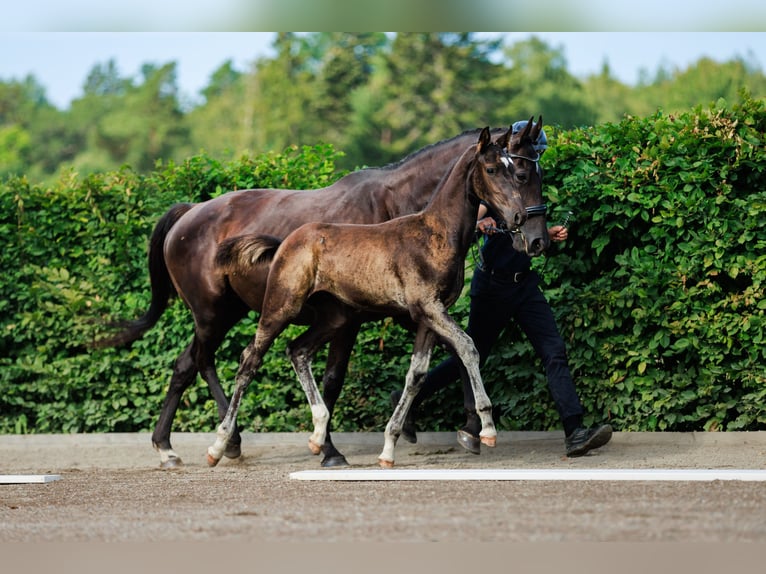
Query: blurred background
94, 101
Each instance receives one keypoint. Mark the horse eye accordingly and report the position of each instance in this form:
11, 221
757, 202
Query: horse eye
491, 170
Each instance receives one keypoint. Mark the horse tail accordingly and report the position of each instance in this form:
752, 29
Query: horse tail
162, 287
243, 251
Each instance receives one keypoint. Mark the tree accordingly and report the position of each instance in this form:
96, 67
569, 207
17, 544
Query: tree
279, 93
609, 99
104, 80
223, 124
428, 87
537, 82
704, 82
127, 123
345, 65
23, 109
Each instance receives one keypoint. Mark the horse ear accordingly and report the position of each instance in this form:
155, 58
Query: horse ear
484, 139
505, 140
527, 128
537, 129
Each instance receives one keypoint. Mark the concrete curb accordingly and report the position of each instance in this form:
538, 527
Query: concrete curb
375, 438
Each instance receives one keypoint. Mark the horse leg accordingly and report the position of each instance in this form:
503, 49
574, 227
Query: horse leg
301, 352
465, 349
251, 360
469, 356
425, 339
207, 370
338, 357
198, 357
209, 339
184, 374
272, 322
468, 434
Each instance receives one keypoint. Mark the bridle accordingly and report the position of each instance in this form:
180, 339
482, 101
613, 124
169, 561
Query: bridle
534, 210
510, 157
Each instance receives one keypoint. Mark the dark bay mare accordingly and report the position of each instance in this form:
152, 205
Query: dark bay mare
410, 266
181, 262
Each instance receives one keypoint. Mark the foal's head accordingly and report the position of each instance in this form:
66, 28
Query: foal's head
531, 235
492, 180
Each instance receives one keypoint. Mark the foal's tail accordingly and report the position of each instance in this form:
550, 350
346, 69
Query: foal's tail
162, 287
240, 253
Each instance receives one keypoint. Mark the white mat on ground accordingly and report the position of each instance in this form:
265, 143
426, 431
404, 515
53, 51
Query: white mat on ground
27, 478
674, 474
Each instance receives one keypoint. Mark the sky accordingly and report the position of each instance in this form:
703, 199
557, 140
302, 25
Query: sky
61, 61
402, 15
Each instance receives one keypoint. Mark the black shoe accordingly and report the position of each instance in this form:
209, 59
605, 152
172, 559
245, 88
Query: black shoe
408, 428
584, 440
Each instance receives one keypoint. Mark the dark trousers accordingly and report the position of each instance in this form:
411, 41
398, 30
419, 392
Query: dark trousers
494, 302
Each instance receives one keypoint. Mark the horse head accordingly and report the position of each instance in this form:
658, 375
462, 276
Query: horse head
492, 181
531, 235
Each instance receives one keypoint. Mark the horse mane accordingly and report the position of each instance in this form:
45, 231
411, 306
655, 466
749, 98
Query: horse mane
427, 149
244, 251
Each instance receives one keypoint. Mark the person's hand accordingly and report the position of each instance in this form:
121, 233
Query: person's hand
558, 233
486, 225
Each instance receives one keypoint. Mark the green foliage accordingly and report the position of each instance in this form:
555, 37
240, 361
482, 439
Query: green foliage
658, 291
375, 96
75, 253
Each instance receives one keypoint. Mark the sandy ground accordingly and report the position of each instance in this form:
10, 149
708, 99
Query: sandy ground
112, 490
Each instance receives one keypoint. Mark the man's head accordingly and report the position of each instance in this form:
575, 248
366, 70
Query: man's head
542, 141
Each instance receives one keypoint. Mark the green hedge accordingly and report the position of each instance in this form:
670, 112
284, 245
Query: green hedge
658, 291
74, 255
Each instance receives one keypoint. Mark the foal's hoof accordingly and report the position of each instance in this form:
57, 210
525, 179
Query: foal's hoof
314, 448
172, 463
233, 451
211, 460
490, 441
333, 461
469, 442
385, 463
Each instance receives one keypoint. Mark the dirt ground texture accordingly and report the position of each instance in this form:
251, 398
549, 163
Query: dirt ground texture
112, 490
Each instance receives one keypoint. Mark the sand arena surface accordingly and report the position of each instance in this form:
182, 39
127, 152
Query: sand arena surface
112, 490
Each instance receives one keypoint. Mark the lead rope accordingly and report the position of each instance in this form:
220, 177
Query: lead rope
564, 223
476, 253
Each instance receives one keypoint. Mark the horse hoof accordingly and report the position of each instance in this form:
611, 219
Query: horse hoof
469, 442
314, 448
385, 463
490, 441
333, 461
233, 451
211, 460
172, 463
